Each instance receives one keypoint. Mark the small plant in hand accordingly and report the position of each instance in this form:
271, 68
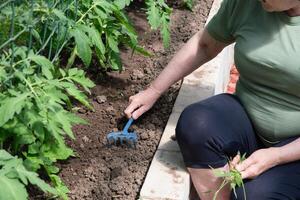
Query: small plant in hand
232, 177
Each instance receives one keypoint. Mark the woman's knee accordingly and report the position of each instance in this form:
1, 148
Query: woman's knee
207, 118
204, 134
193, 124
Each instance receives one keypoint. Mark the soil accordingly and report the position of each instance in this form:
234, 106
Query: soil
117, 173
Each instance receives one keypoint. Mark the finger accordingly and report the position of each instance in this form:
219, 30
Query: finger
250, 172
127, 112
236, 160
227, 167
131, 108
245, 164
136, 114
131, 99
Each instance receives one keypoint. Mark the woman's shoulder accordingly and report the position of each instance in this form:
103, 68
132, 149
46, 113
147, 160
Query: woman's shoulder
240, 7
241, 3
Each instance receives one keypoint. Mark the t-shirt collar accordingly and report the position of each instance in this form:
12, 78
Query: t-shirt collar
288, 19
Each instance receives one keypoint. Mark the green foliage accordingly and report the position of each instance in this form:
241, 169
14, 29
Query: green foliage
103, 27
99, 26
189, 4
232, 177
159, 18
14, 177
34, 121
36, 92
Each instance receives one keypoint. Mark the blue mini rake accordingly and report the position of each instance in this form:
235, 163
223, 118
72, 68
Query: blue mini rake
123, 136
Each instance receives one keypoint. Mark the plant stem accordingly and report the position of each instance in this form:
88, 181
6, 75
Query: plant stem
92, 7
224, 183
244, 191
13, 38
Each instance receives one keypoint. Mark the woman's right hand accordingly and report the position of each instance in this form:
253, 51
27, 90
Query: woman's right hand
141, 102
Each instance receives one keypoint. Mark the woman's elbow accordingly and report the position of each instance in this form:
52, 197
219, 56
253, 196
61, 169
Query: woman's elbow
209, 45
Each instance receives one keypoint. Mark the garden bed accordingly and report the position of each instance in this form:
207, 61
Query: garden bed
118, 172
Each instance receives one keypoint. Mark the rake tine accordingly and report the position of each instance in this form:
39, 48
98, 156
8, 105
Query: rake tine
109, 142
124, 137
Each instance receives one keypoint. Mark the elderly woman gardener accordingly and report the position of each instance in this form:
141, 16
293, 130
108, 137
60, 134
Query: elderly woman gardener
262, 119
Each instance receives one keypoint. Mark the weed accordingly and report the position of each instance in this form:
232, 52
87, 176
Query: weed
232, 177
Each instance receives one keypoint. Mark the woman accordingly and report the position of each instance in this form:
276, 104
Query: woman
262, 119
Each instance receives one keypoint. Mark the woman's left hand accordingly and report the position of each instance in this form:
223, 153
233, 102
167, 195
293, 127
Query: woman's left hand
258, 162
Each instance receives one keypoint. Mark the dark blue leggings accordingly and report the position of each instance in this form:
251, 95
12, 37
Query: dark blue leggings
211, 131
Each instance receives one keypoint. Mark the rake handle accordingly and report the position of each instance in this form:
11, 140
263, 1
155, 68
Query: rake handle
125, 130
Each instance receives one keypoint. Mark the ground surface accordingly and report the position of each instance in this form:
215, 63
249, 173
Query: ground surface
101, 173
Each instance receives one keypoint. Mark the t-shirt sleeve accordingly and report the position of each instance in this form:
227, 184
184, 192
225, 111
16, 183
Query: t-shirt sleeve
222, 25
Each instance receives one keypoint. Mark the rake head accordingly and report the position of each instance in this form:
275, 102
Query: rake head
122, 137
119, 137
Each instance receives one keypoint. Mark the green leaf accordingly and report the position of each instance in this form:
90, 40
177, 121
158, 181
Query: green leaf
33, 178
189, 4
106, 5
84, 82
77, 94
101, 58
58, 150
34, 148
12, 189
96, 39
142, 51
52, 169
4, 155
113, 44
13, 169
60, 14
72, 58
56, 95
62, 72
65, 123
62, 153
37, 36
78, 77
75, 119
115, 61
33, 163
46, 65
153, 15
122, 3
22, 137
220, 173
38, 130
159, 17
100, 13
60, 186
73, 72
82, 45
165, 30
11, 106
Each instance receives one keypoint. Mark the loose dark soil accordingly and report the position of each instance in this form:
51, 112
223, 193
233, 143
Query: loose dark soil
101, 173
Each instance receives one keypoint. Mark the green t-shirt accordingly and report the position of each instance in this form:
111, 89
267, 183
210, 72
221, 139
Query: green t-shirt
267, 56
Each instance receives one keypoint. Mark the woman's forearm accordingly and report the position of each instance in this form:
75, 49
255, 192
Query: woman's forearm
197, 51
289, 152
